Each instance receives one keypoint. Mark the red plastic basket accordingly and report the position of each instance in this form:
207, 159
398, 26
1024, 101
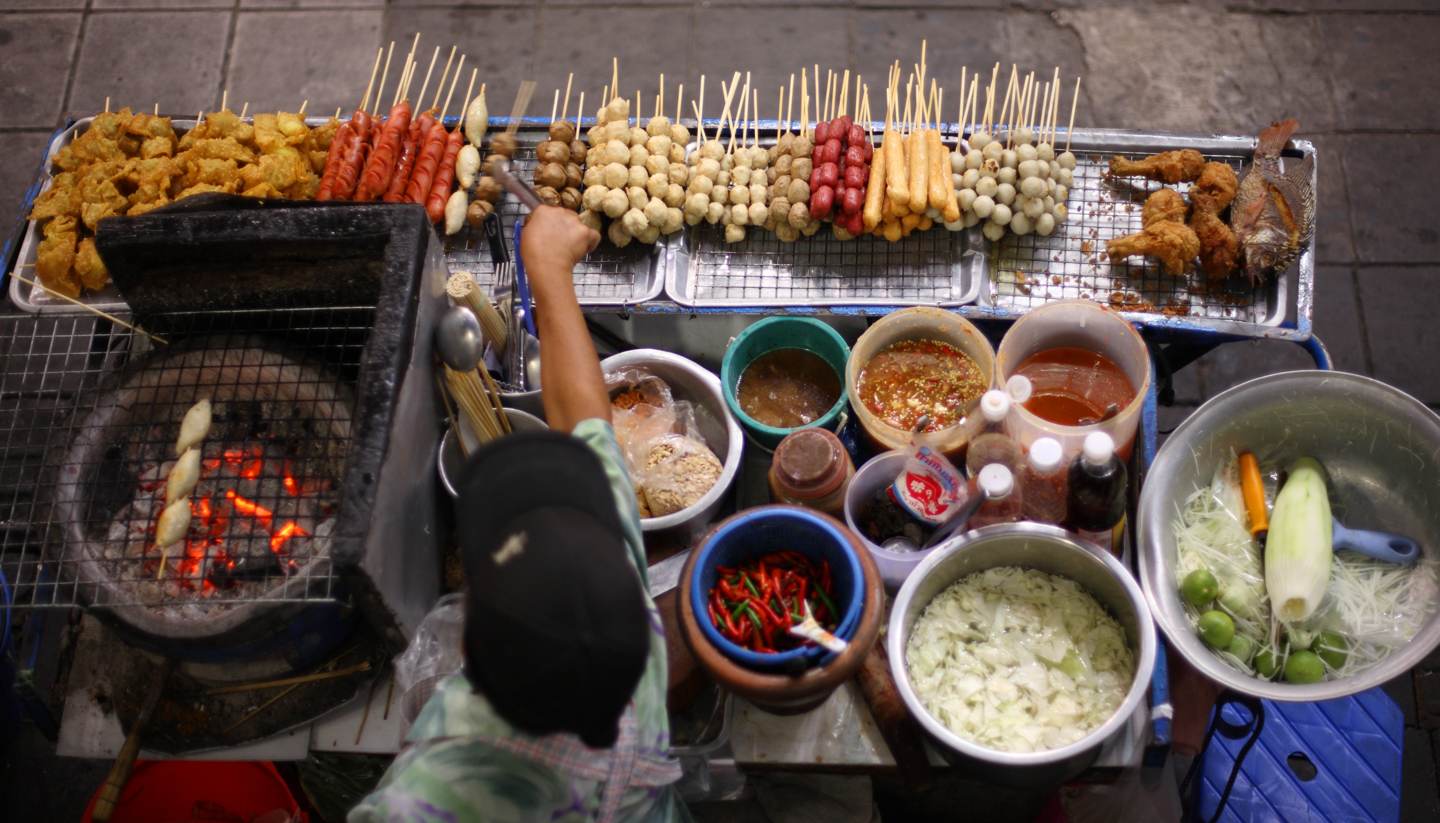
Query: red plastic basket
180, 791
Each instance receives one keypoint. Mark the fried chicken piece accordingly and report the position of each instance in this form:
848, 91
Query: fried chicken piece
1173, 244
1214, 188
1167, 166
1219, 250
1165, 204
89, 267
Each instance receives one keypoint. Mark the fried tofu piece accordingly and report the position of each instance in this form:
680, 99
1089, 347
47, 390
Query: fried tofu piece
63, 197
157, 147
213, 172
263, 191
204, 188
89, 267
55, 263
221, 148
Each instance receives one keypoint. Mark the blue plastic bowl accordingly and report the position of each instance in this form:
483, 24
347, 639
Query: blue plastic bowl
760, 531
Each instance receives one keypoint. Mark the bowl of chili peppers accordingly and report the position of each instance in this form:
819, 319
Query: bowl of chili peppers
756, 574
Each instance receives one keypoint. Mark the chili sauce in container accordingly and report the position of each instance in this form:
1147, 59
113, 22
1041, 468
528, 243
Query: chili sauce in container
1089, 369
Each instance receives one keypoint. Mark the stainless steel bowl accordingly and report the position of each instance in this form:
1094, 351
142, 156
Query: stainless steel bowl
1381, 450
450, 460
1047, 549
689, 381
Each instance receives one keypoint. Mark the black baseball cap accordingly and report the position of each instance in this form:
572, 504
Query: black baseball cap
556, 630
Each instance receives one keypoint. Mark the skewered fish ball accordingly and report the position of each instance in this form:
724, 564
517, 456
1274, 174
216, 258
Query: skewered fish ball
984, 206
678, 173
1061, 193
714, 212
759, 213
1020, 225
637, 156
970, 178
637, 136
740, 175
590, 220
1006, 175
1065, 177
702, 184
674, 195
987, 187
720, 194
594, 197
723, 178
634, 222
616, 176
658, 125
1066, 160
679, 134
1005, 193
637, 197
617, 109
974, 159
659, 144
712, 150
1024, 151
1028, 168
740, 195
993, 231
1033, 208
980, 140
1045, 225
1001, 215
1045, 151
636, 176
1033, 187
708, 167
967, 199
1009, 159
594, 176
617, 130
657, 185
993, 151
654, 212
734, 233
615, 202
618, 235
1061, 211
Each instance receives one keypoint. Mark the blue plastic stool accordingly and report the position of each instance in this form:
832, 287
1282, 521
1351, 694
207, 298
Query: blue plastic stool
1352, 747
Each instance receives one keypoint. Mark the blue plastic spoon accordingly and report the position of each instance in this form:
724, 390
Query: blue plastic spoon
1391, 548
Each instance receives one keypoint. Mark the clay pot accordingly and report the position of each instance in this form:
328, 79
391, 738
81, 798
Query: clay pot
780, 693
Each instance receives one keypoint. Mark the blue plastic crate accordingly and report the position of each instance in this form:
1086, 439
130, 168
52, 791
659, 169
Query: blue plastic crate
1354, 744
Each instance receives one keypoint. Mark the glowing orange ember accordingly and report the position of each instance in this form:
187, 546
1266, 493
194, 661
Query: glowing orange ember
283, 535
289, 480
249, 508
234, 456
252, 469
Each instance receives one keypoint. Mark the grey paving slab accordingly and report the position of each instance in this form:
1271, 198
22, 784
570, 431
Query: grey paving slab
1418, 797
311, 4
1400, 306
1382, 64
132, 5
788, 40
37, 49
1234, 363
1201, 70
181, 70
20, 156
1334, 234
956, 38
1389, 177
274, 67
584, 40
1337, 318
498, 42
40, 5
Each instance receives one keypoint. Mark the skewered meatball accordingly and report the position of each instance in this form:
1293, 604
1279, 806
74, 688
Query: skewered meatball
503, 144
552, 152
551, 175
562, 131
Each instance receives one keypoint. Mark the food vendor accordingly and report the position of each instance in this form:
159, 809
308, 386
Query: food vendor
559, 713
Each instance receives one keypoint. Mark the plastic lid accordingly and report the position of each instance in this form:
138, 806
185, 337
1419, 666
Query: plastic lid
996, 481
1045, 455
995, 405
1019, 388
810, 462
1099, 448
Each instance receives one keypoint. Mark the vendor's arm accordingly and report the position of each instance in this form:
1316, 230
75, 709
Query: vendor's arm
553, 241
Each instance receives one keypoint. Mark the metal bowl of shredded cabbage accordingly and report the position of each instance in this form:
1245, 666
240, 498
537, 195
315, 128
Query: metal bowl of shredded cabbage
1021, 650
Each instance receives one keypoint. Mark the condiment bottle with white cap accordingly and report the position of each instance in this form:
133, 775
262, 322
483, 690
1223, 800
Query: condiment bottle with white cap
1002, 500
993, 445
1095, 505
1042, 482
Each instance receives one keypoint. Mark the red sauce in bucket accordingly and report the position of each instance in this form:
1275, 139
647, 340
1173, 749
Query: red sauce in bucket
1074, 386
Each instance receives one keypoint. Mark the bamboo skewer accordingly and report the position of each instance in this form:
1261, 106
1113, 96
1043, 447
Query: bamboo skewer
67, 298
435, 103
565, 110
1070, 129
298, 680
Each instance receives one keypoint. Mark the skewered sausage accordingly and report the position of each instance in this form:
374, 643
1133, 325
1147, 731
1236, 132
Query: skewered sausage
405, 166
444, 177
418, 187
334, 159
381, 163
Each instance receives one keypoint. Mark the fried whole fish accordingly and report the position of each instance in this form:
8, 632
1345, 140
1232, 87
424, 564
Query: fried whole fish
1273, 214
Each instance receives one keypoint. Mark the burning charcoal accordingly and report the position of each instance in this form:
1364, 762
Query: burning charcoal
251, 567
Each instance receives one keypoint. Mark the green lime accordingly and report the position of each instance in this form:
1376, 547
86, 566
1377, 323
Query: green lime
1216, 629
1265, 664
1242, 647
1332, 648
1199, 588
1304, 667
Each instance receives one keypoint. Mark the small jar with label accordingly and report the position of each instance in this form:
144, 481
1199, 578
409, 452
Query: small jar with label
811, 468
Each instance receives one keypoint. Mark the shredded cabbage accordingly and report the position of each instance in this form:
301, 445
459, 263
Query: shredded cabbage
1018, 660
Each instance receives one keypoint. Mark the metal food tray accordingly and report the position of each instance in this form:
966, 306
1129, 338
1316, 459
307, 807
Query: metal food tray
34, 299
608, 277
932, 268
1027, 272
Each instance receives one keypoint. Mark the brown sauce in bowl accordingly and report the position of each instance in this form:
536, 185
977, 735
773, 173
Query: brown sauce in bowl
788, 388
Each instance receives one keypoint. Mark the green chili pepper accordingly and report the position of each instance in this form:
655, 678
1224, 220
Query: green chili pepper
749, 584
829, 604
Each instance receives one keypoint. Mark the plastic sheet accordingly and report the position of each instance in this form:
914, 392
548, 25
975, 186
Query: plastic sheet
664, 451
434, 654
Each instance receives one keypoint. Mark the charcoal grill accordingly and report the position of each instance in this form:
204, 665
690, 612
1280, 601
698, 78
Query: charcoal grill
307, 513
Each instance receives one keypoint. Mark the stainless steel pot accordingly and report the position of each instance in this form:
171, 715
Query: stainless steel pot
1381, 450
1047, 549
689, 381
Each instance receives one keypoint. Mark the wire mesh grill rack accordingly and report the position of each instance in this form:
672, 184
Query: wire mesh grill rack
89, 414
936, 267
1027, 272
610, 276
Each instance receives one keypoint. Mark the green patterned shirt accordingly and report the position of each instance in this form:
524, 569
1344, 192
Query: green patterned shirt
463, 762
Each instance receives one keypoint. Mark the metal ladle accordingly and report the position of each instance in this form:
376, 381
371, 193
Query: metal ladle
458, 339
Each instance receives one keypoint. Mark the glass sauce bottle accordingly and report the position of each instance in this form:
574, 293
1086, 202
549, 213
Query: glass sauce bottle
1096, 501
811, 468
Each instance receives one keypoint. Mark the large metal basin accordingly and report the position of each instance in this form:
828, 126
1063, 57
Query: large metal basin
1381, 450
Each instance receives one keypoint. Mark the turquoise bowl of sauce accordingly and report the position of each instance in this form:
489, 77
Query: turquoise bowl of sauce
789, 385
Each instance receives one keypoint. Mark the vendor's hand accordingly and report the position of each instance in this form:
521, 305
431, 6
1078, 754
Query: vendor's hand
553, 241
